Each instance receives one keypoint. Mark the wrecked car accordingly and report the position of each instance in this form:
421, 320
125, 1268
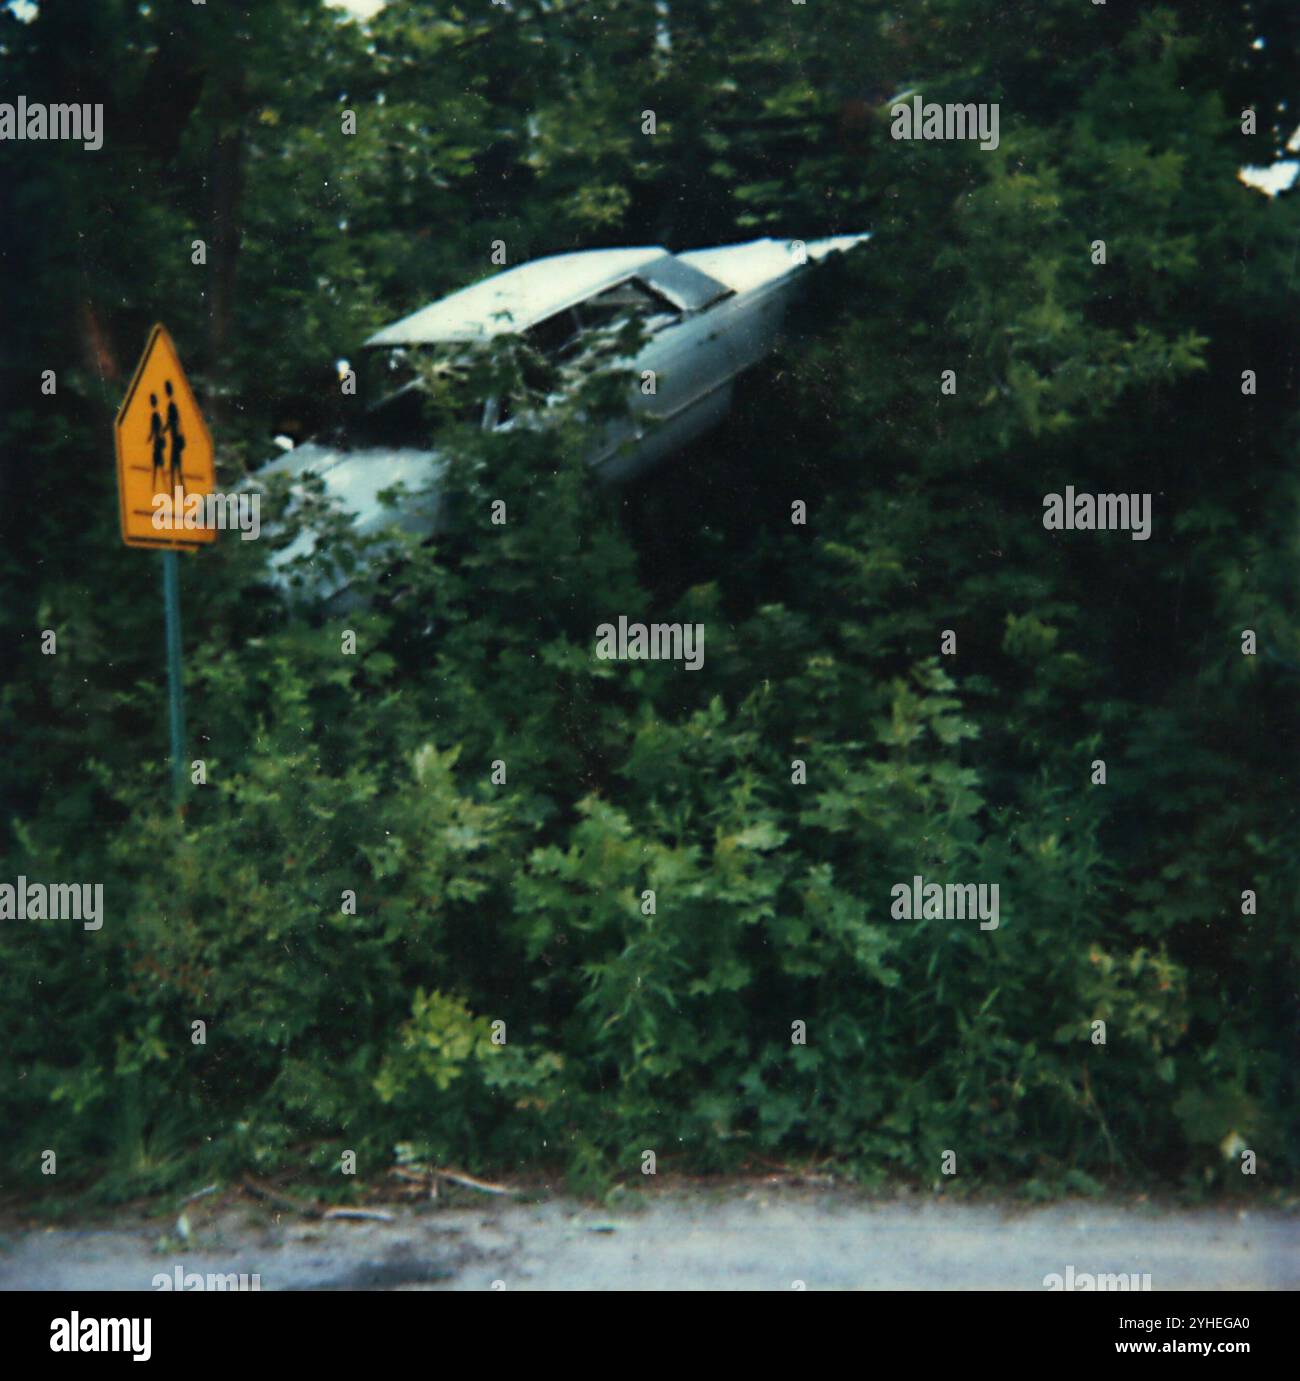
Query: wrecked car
704, 317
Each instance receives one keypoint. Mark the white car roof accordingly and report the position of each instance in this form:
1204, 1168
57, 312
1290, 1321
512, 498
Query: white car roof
518, 298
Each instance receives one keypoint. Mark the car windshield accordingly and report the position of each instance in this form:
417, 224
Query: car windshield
403, 413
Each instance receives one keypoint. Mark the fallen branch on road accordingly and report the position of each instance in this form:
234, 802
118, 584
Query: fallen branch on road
273, 1196
424, 1174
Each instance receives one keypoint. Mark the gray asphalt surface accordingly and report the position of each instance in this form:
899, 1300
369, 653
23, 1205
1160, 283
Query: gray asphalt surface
741, 1238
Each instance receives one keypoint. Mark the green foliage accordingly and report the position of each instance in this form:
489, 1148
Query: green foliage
669, 1026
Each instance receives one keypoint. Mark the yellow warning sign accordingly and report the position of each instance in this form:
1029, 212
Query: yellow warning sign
164, 455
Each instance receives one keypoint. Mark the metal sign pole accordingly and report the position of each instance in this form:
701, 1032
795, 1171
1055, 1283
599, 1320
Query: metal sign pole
175, 690
160, 439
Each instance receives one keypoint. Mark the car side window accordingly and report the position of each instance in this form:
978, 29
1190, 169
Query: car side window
629, 300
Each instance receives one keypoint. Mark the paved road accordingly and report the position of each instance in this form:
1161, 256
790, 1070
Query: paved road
740, 1238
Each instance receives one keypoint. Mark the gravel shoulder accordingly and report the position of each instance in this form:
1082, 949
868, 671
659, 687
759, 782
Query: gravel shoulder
735, 1238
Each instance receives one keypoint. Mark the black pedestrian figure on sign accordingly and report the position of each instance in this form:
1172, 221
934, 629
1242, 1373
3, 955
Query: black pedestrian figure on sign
157, 438
177, 436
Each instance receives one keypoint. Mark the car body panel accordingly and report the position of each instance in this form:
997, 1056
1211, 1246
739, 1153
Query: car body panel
517, 299
356, 479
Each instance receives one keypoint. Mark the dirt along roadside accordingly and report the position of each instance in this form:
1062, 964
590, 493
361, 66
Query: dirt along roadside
752, 1237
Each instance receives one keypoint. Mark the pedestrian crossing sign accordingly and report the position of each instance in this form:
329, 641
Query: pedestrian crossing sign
164, 454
